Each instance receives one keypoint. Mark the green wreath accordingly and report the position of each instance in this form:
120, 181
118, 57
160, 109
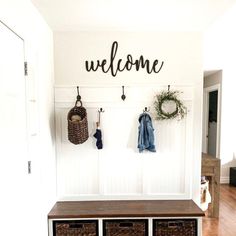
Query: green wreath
166, 96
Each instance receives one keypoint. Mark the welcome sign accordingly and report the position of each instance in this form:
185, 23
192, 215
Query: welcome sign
114, 65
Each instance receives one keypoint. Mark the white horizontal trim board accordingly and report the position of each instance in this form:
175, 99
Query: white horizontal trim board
119, 171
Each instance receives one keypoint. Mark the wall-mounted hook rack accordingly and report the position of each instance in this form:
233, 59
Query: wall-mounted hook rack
123, 97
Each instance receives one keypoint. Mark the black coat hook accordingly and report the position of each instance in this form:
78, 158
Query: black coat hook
168, 88
101, 110
78, 96
146, 109
123, 97
99, 116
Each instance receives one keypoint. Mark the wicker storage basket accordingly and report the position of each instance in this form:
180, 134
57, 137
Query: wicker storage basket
125, 228
75, 228
77, 129
175, 227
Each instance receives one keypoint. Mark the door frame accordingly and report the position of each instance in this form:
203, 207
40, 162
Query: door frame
206, 91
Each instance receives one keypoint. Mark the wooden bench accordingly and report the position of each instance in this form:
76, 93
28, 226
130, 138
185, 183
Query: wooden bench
176, 211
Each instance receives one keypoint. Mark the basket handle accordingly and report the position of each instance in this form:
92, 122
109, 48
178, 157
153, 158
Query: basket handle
76, 225
126, 224
81, 104
174, 224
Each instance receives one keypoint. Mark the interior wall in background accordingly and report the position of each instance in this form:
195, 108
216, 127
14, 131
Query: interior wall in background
22, 17
79, 167
219, 54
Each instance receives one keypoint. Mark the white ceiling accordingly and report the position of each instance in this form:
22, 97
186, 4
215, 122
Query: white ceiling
131, 14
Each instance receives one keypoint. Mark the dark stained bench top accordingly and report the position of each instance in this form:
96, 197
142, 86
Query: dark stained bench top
131, 208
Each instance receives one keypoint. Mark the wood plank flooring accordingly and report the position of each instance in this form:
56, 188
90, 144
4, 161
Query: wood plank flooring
226, 224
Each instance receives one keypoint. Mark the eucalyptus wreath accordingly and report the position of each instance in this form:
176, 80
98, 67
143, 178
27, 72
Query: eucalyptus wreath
169, 96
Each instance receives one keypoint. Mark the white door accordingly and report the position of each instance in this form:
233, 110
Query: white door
13, 135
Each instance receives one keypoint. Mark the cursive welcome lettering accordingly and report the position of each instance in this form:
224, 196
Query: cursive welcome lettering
114, 68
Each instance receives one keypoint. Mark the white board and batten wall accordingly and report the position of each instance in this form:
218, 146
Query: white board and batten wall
119, 171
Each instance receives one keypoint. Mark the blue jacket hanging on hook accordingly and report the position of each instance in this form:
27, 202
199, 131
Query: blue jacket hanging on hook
146, 133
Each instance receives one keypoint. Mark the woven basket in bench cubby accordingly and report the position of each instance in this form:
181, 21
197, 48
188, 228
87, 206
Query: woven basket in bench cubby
169, 227
125, 227
75, 228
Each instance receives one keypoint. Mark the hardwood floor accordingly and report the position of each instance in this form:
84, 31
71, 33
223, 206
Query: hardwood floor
226, 224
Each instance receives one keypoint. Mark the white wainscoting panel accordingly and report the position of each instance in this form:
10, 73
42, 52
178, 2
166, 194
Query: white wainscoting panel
119, 171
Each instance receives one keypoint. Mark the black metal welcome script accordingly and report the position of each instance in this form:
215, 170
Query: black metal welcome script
121, 65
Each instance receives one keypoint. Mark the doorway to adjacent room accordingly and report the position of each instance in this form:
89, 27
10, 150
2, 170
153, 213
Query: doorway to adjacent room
211, 113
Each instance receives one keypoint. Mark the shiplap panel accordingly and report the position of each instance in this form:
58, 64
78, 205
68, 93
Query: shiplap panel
77, 165
170, 156
121, 172
119, 169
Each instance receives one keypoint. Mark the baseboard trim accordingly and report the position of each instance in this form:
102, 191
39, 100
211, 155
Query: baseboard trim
224, 180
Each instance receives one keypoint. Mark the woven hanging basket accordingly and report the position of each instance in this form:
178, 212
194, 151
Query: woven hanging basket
77, 124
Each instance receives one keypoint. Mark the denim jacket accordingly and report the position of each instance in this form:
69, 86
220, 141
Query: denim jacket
146, 133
